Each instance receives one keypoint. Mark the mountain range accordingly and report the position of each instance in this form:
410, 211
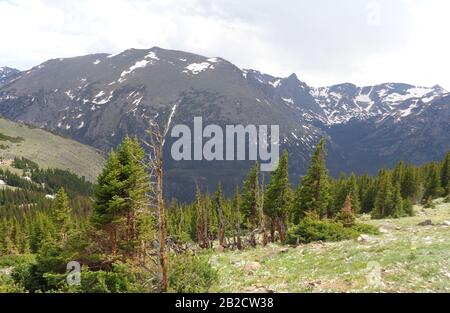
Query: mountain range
97, 99
7, 73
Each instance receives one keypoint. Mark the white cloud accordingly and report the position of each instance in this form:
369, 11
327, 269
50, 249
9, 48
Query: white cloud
323, 41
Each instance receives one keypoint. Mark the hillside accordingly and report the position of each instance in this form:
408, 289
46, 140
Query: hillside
408, 257
48, 150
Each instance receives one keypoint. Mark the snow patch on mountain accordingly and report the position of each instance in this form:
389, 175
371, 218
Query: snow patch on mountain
81, 125
288, 100
138, 64
214, 60
276, 83
136, 102
69, 93
152, 55
196, 68
99, 101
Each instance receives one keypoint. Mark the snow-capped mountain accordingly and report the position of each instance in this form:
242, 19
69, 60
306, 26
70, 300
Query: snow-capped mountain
340, 104
98, 99
6, 74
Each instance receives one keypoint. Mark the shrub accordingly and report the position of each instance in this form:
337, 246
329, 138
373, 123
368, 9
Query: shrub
15, 260
7, 285
312, 229
31, 275
119, 280
191, 274
365, 229
408, 207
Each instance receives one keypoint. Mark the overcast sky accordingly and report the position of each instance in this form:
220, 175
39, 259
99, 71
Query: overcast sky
323, 41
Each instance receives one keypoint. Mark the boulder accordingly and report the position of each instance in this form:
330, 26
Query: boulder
284, 250
251, 267
426, 223
363, 238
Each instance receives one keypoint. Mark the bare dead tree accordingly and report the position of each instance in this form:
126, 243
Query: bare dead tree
155, 198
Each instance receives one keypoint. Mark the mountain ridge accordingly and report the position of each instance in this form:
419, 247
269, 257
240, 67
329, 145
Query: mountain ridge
97, 99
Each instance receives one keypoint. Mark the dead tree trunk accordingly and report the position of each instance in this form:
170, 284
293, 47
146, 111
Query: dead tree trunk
281, 228
272, 229
156, 197
238, 225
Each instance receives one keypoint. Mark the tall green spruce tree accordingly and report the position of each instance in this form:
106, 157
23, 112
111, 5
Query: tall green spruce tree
397, 202
388, 202
339, 191
119, 198
61, 212
315, 192
445, 174
278, 197
410, 183
249, 200
384, 195
236, 218
433, 187
343, 188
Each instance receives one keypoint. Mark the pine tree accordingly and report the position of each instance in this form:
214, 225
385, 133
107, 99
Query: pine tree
119, 198
396, 209
135, 184
368, 192
62, 214
433, 187
340, 192
445, 174
315, 193
353, 190
409, 183
237, 218
249, 203
346, 216
383, 200
398, 173
106, 214
277, 198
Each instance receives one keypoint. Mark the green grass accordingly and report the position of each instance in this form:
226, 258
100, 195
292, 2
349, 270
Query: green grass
406, 257
49, 150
